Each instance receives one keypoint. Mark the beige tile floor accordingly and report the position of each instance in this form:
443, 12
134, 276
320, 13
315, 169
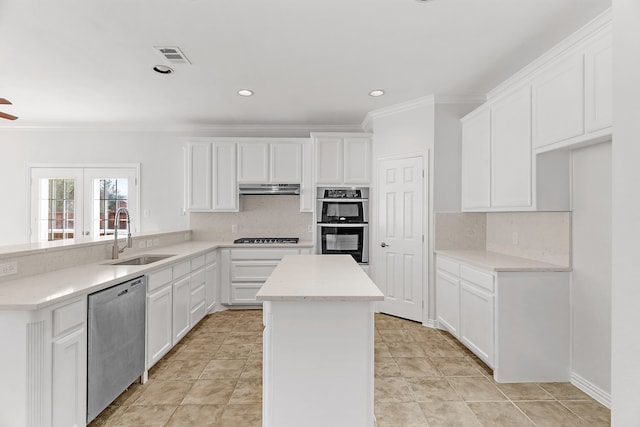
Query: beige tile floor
424, 377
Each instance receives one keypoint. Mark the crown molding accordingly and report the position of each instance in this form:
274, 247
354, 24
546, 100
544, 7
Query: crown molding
460, 99
601, 22
216, 130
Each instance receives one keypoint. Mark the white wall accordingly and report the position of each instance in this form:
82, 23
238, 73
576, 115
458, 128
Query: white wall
161, 171
406, 129
625, 338
591, 276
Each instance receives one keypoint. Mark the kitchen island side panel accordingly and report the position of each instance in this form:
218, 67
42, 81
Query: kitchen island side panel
318, 364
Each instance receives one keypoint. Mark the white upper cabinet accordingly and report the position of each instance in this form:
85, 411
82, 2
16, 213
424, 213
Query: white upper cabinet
253, 163
599, 84
198, 170
267, 163
476, 161
225, 181
307, 197
558, 102
343, 159
511, 151
286, 163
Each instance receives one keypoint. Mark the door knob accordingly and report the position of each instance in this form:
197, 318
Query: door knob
384, 245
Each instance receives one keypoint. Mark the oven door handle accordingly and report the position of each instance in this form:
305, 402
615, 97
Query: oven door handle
352, 225
345, 200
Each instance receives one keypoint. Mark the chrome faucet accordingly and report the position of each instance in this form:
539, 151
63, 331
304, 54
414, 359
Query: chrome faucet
116, 248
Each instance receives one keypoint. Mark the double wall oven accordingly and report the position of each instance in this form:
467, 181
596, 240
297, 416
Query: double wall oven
343, 222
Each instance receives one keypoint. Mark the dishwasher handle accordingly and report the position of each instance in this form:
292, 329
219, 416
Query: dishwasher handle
123, 292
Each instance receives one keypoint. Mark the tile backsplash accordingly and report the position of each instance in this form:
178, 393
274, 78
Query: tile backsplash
541, 236
259, 216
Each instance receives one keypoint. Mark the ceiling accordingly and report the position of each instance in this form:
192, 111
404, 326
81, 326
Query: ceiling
89, 63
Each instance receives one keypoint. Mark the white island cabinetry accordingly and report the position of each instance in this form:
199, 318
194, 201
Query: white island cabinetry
318, 343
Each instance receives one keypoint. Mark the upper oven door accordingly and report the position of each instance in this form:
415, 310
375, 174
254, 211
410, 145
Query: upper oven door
343, 211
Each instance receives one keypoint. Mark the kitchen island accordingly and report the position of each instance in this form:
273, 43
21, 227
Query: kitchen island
318, 343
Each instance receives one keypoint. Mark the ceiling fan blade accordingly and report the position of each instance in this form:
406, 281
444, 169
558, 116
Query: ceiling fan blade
5, 101
7, 116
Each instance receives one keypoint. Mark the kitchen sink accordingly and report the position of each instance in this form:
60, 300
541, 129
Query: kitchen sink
141, 260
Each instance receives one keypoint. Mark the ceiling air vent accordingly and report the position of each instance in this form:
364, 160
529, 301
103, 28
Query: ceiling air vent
172, 54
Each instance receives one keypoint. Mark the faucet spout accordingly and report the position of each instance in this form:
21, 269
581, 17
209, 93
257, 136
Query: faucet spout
117, 250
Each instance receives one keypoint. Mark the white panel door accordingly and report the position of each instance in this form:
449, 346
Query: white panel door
69, 388
511, 151
448, 302
476, 162
159, 324
476, 321
400, 219
225, 180
181, 308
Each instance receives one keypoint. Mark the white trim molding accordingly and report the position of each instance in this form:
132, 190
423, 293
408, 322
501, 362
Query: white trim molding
591, 389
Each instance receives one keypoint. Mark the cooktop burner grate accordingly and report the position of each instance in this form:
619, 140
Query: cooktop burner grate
266, 240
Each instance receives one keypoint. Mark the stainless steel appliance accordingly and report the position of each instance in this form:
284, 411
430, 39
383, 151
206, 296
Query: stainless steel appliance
115, 354
344, 239
343, 222
342, 205
273, 189
266, 240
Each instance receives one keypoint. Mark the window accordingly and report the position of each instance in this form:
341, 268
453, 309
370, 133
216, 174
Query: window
69, 202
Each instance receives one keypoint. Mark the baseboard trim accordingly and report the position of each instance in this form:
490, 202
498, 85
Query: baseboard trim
431, 323
592, 390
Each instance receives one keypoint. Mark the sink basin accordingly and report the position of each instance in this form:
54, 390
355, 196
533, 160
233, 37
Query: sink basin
141, 260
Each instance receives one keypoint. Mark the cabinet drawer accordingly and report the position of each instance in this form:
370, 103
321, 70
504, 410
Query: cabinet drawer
448, 266
197, 262
181, 269
480, 278
197, 278
197, 296
252, 271
68, 317
210, 257
245, 293
159, 278
260, 254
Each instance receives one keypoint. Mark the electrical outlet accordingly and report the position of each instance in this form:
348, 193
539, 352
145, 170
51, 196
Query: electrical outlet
146, 213
9, 268
142, 244
156, 242
234, 228
310, 228
187, 237
149, 243
514, 238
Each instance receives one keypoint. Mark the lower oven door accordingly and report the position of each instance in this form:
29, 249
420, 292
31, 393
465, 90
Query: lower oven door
344, 239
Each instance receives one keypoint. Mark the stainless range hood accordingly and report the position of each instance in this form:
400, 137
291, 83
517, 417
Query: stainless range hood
275, 189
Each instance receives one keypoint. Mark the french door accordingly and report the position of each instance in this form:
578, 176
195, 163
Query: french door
71, 202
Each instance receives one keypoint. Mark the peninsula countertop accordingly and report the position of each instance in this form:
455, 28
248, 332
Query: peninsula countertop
319, 278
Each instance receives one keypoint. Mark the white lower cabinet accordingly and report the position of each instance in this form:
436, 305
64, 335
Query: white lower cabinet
181, 308
211, 289
159, 323
244, 271
517, 322
448, 301
476, 321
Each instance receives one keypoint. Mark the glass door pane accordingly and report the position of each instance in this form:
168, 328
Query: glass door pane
56, 213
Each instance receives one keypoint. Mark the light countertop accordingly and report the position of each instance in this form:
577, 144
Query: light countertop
500, 262
319, 278
41, 290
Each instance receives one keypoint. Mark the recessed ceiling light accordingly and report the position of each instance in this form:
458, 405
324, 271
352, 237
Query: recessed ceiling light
163, 69
376, 93
245, 92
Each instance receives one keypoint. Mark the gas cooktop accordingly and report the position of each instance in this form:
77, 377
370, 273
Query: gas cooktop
267, 240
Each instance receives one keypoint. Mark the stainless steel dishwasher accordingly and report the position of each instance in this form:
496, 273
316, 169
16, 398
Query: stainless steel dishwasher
115, 356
